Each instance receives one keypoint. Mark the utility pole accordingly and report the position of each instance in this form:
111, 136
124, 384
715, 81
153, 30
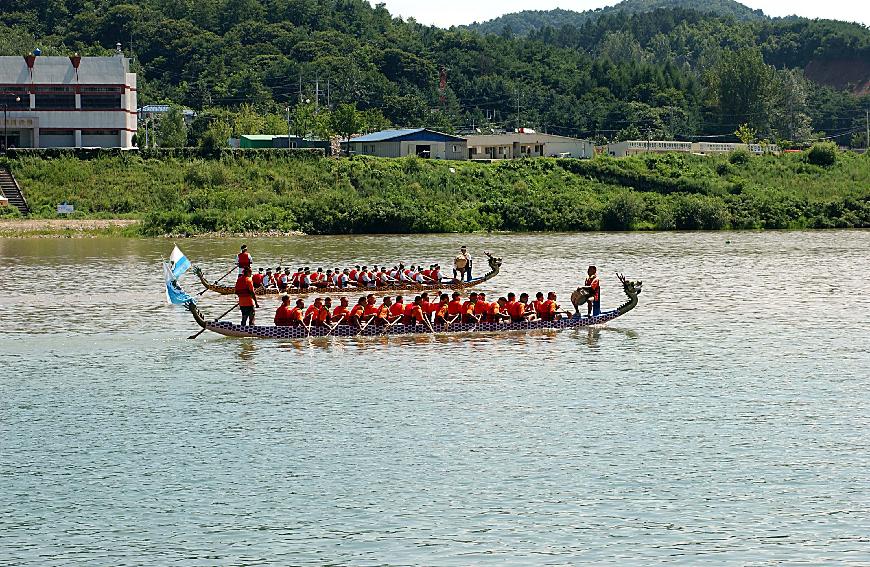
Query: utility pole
519, 123
300, 87
328, 105
316, 93
867, 139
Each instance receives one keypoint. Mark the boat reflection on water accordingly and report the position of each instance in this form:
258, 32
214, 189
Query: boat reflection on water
592, 335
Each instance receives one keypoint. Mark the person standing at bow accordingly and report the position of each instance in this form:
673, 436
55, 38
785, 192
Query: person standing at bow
247, 297
594, 285
244, 260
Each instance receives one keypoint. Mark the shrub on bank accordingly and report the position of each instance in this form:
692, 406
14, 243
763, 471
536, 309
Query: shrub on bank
823, 154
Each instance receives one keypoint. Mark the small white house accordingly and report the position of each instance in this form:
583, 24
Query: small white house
527, 143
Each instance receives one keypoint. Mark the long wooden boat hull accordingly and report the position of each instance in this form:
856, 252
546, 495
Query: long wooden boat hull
272, 332
452, 285
632, 289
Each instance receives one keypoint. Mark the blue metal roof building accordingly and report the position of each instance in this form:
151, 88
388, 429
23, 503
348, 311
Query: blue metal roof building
421, 142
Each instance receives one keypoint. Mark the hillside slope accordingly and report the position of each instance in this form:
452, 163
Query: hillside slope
526, 21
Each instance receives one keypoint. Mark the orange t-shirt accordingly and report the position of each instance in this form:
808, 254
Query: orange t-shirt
283, 315
340, 312
358, 311
370, 310
517, 310
417, 313
245, 291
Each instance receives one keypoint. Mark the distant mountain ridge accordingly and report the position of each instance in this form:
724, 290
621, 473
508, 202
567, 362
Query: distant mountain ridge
527, 21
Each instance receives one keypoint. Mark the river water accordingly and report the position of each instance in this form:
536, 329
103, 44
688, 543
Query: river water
725, 420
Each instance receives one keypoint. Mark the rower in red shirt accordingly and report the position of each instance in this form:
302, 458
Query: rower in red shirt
441, 309
316, 313
257, 279
371, 306
481, 308
454, 308
398, 308
283, 313
538, 304
296, 314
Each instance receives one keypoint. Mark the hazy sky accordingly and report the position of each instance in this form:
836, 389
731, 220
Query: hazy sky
458, 12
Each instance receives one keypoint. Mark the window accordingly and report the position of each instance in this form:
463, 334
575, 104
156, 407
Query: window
455, 149
9, 94
100, 98
55, 98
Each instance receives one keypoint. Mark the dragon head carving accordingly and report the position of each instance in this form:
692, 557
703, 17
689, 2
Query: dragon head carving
582, 294
494, 262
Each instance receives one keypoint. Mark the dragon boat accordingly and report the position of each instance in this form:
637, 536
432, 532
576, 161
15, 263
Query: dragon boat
631, 288
454, 285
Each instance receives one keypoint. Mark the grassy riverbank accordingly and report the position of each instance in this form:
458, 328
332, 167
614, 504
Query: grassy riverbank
371, 195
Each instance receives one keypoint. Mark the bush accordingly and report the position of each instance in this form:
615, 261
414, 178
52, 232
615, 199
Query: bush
740, 157
823, 154
622, 212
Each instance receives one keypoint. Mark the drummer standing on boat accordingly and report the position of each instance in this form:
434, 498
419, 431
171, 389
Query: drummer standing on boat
244, 259
462, 265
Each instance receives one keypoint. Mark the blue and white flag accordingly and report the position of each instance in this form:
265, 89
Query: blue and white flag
179, 263
175, 295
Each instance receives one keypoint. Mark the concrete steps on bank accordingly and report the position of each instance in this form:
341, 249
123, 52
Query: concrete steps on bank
11, 191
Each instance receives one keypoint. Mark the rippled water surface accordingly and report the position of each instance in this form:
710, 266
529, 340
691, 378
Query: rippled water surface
723, 421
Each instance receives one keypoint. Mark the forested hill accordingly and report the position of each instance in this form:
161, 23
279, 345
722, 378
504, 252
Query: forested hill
526, 21
670, 73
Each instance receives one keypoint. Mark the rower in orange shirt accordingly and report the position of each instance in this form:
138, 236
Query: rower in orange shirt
528, 311
551, 308
441, 309
296, 314
316, 314
498, 311
383, 316
341, 312
418, 316
357, 314
468, 308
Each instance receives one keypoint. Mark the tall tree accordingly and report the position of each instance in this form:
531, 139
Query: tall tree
171, 129
346, 121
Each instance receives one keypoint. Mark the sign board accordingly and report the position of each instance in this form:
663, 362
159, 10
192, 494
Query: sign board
65, 209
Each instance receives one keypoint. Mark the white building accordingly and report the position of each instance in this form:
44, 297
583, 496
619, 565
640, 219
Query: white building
526, 143
634, 147
67, 102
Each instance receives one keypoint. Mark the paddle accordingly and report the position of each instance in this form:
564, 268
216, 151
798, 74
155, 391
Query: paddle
363, 327
388, 325
227, 312
334, 327
219, 280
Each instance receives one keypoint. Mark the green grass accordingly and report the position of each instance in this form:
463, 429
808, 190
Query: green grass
409, 195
